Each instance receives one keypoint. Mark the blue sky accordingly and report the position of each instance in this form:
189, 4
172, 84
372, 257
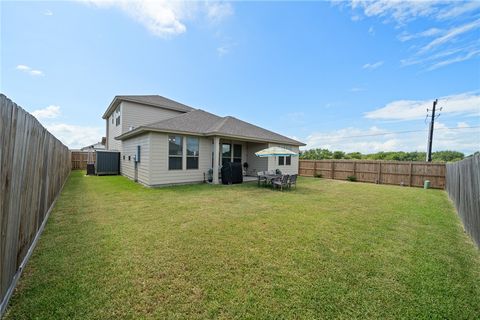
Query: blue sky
341, 75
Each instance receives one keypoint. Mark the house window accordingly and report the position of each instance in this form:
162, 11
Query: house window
175, 152
237, 153
284, 160
226, 153
192, 152
117, 116
112, 118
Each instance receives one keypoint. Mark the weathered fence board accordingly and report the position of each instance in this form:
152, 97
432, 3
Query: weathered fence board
383, 172
33, 168
463, 187
80, 159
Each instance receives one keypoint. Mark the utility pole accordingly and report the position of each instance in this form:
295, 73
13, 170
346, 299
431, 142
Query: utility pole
430, 133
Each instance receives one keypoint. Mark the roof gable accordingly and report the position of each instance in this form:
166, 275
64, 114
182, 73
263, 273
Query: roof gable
149, 100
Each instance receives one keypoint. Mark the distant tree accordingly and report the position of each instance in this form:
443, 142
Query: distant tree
353, 155
338, 155
316, 154
447, 156
320, 154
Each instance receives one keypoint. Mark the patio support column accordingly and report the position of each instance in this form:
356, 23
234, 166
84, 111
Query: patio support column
216, 158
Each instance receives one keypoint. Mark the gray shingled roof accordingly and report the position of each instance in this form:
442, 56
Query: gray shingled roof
204, 123
151, 100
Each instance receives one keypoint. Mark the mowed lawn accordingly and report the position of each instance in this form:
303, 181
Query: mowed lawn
113, 249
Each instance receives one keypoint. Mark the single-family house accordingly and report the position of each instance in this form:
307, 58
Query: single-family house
96, 146
164, 142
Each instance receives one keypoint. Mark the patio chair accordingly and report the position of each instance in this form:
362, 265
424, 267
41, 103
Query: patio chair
281, 182
261, 178
292, 181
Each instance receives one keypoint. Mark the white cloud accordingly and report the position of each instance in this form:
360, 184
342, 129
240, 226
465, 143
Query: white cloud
218, 11
75, 136
464, 103
49, 112
47, 13
357, 89
372, 66
166, 18
371, 31
459, 58
23, 67
30, 71
404, 36
225, 48
397, 10
461, 17
341, 140
458, 10
376, 139
450, 35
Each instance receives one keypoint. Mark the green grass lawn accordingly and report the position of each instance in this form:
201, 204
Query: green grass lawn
330, 249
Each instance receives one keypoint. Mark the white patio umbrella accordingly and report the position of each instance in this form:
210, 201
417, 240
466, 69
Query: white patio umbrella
275, 152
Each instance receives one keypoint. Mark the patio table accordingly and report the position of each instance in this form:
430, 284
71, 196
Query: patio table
269, 177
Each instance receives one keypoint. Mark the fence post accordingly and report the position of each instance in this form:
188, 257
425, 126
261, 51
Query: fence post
314, 168
333, 169
354, 168
379, 176
410, 175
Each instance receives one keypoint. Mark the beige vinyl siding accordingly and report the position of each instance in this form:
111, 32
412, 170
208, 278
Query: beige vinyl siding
273, 161
135, 115
143, 167
256, 164
114, 131
159, 173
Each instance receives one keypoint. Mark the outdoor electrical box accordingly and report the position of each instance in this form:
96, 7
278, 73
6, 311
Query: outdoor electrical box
137, 155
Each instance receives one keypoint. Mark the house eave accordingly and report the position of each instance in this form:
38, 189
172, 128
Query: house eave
143, 129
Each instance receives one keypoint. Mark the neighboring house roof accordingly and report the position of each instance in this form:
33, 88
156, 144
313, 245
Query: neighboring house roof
199, 122
150, 100
97, 146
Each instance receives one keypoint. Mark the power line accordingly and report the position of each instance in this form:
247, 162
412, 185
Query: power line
400, 132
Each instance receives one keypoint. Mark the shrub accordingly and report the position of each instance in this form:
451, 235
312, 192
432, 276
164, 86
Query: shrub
318, 175
352, 178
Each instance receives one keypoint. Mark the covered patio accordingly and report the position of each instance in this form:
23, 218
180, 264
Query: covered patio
227, 149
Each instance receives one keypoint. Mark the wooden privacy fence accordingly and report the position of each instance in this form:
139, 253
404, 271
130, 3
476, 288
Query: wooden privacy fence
34, 165
411, 174
463, 187
81, 158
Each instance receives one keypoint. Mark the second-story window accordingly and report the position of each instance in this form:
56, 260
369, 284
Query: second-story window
117, 116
